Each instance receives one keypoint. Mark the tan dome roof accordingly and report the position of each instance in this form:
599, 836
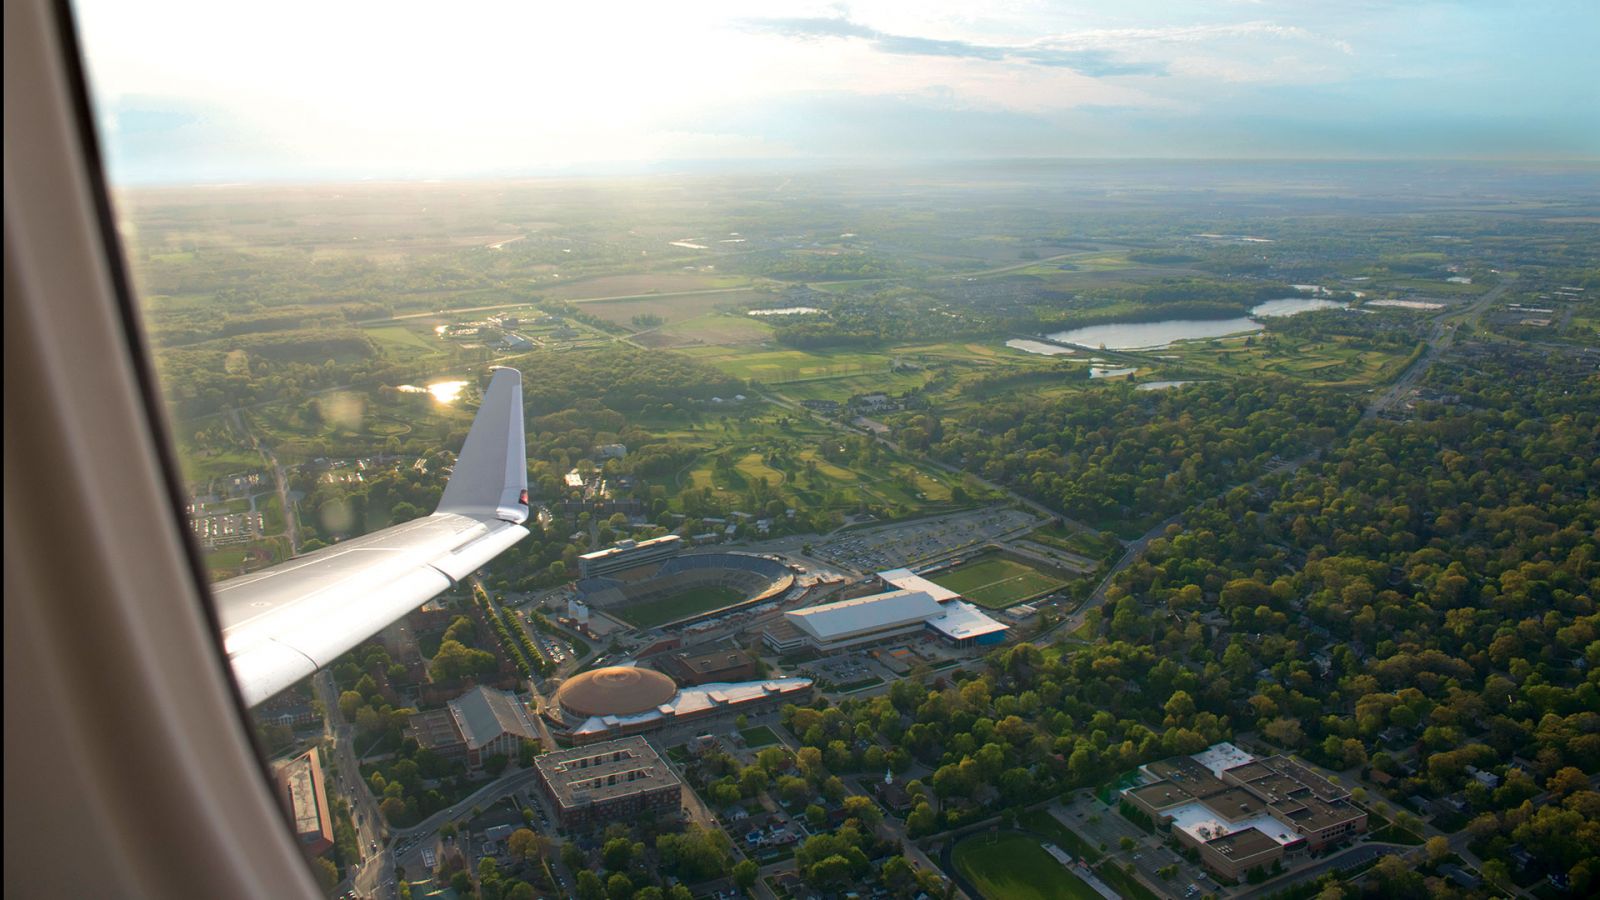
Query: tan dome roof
615, 691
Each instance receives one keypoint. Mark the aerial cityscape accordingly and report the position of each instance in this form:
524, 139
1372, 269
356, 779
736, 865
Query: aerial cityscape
823, 452
1035, 533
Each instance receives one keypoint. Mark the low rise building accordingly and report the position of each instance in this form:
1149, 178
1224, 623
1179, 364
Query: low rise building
479, 724
1241, 813
300, 780
616, 780
714, 665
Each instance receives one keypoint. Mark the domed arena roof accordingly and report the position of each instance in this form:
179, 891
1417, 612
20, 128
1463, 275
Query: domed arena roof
614, 691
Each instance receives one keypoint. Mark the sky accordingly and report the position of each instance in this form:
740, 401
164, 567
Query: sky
207, 92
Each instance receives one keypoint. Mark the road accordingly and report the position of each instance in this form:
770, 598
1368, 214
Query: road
1439, 340
374, 868
279, 477
474, 309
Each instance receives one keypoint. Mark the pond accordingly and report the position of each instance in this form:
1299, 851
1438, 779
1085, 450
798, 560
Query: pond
786, 311
1155, 335
442, 391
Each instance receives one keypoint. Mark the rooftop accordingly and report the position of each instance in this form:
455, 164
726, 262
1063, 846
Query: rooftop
697, 699
864, 615
604, 771
1220, 757
713, 661
1201, 822
1188, 774
906, 580
302, 778
1162, 794
615, 691
484, 714
1243, 845
961, 620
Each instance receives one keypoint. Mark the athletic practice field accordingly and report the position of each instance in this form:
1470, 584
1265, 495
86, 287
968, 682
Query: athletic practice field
996, 581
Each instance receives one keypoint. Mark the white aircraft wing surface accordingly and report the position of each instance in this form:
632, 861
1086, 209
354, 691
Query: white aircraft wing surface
281, 624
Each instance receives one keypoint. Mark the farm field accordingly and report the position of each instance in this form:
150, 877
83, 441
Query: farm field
995, 582
642, 283
677, 606
673, 308
712, 329
1013, 866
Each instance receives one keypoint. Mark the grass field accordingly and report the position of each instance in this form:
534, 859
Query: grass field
677, 606
672, 308
1041, 821
1012, 866
1074, 541
758, 737
403, 343
995, 582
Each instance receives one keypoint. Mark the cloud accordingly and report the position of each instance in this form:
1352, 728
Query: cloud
1093, 62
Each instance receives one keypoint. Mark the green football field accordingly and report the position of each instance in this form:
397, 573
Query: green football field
1012, 866
677, 606
996, 582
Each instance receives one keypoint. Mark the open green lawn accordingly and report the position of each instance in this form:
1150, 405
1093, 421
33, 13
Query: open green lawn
677, 606
1043, 822
996, 582
1094, 546
404, 342
760, 736
1012, 866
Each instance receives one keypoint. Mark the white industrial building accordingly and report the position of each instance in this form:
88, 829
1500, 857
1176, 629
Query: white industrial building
866, 620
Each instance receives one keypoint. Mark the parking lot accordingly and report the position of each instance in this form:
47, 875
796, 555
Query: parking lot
1101, 825
844, 669
913, 543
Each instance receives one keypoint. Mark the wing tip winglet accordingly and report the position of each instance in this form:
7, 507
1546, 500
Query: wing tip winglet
491, 473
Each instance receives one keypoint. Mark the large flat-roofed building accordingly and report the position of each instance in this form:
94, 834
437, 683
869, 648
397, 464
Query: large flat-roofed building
879, 617
606, 782
865, 619
479, 724
1243, 813
714, 665
301, 781
628, 554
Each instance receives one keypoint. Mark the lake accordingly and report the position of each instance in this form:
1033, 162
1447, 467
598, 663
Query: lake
1155, 335
442, 391
786, 311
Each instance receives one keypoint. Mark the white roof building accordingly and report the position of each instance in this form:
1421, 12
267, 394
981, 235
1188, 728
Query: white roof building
906, 580
846, 623
865, 618
962, 621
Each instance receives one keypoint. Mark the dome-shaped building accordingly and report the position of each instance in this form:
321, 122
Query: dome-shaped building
614, 691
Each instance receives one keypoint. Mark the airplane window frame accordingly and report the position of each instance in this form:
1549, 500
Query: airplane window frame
153, 410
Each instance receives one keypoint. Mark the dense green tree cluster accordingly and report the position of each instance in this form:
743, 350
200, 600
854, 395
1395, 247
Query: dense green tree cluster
1128, 458
1446, 568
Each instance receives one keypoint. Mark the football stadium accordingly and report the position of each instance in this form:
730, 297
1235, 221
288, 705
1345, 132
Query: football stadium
684, 588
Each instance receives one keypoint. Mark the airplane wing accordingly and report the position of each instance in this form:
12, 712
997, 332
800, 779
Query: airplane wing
283, 623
